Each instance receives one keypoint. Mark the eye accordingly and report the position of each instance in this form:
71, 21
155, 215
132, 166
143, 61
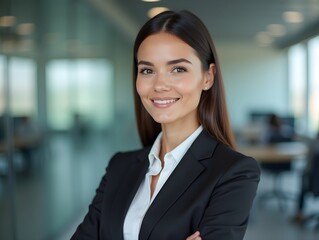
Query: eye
179, 70
145, 71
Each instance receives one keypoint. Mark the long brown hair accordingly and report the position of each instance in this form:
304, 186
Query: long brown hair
212, 109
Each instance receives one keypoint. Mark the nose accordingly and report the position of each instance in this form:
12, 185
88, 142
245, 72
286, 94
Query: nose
162, 83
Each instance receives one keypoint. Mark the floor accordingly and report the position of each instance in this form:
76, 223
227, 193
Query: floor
48, 195
271, 219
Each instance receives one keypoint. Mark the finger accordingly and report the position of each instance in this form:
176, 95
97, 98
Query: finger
194, 236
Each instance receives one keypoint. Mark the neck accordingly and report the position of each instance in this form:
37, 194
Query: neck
173, 135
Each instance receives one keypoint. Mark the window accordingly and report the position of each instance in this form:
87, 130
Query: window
82, 87
22, 74
22, 80
2, 96
297, 85
313, 103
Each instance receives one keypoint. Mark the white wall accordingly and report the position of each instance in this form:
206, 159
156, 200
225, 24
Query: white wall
255, 79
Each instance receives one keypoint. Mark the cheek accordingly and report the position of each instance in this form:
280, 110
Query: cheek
141, 87
190, 85
138, 86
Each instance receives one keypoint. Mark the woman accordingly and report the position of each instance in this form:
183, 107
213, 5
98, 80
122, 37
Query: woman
187, 182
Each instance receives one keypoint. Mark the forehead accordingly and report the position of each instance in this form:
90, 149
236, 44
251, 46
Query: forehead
165, 43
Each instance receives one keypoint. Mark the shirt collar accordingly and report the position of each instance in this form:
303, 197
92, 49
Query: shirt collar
177, 152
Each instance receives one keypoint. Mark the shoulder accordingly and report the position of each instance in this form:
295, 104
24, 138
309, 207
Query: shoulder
219, 155
121, 163
220, 158
233, 161
127, 157
230, 154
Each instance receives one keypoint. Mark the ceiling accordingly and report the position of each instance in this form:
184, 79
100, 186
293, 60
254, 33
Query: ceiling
63, 26
238, 20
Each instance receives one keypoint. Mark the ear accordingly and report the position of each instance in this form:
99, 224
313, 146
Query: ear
209, 77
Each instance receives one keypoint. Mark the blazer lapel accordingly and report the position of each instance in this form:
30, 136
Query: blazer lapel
185, 173
126, 193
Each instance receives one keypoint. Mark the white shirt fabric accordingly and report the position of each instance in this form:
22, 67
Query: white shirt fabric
143, 199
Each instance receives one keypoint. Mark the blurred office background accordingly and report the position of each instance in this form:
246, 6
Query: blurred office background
66, 103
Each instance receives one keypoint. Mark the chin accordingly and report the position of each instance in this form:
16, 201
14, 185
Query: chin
162, 120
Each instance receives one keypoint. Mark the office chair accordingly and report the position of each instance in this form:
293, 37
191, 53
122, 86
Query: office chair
277, 170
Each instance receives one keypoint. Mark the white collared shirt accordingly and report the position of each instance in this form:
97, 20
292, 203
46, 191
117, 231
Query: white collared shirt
142, 199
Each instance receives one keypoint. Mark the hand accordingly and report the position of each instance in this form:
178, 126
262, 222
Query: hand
194, 236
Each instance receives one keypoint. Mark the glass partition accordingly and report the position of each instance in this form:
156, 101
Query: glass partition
7, 207
58, 62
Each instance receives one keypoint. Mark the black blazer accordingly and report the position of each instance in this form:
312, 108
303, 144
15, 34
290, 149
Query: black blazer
211, 190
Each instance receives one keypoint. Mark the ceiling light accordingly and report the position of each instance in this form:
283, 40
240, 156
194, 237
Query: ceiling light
264, 38
293, 17
7, 21
151, 0
156, 10
25, 28
276, 30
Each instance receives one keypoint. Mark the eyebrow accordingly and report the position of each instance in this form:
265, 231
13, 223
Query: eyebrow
172, 62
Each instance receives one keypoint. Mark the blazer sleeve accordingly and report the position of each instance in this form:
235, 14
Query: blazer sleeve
226, 216
90, 226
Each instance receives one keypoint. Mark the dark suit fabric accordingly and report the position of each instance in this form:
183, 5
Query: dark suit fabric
211, 190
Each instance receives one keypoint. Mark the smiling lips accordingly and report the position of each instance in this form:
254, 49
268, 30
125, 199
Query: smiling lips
164, 102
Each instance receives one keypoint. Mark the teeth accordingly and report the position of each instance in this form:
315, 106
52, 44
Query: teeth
164, 101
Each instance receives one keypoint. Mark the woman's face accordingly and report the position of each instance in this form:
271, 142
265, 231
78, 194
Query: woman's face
170, 79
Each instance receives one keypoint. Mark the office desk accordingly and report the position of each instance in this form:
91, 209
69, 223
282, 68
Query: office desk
26, 147
276, 159
277, 153
22, 143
